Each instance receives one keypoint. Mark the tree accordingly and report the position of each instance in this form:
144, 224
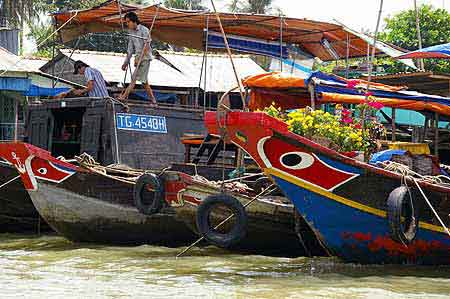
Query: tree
251, 6
185, 4
17, 12
435, 29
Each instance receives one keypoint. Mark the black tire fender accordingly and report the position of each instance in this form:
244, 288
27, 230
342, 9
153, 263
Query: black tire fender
238, 231
400, 199
148, 202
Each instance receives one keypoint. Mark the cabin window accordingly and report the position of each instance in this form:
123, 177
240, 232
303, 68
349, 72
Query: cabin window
66, 133
9, 102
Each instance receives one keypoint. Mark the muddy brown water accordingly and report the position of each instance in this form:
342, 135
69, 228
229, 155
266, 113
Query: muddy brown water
51, 267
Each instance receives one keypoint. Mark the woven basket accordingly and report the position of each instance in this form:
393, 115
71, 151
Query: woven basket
423, 164
403, 159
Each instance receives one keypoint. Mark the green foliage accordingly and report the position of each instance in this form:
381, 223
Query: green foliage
18, 12
435, 29
61, 5
251, 6
185, 4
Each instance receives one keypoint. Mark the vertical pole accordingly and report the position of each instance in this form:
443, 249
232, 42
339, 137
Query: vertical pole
425, 130
229, 52
419, 37
116, 139
374, 46
347, 55
372, 57
394, 126
16, 120
312, 94
436, 134
281, 43
206, 62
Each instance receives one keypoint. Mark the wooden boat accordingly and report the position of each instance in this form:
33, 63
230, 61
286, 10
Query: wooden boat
85, 206
357, 209
17, 211
270, 220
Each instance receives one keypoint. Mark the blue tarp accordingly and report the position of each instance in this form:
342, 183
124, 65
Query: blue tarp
385, 155
248, 45
15, 84
438, 51
169, 98
293, 64
36, 91
338, 85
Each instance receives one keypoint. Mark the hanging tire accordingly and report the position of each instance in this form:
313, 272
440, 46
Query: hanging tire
148, 194
400, 205
206, 229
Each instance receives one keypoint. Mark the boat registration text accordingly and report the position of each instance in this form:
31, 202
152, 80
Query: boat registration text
143, 123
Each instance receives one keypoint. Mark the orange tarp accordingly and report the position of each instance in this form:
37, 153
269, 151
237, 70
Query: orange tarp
274, 80
388, 102
272, 87
185, 28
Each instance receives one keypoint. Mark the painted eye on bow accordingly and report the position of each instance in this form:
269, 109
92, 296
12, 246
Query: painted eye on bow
42, 170
296, 160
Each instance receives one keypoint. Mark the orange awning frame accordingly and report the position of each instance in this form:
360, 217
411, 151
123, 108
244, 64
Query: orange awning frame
290, 92
387, 102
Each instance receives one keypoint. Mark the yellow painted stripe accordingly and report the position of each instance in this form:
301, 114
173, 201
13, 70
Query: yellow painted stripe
345, 201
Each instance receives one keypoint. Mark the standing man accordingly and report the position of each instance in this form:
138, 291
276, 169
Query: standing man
138, 43
95, 87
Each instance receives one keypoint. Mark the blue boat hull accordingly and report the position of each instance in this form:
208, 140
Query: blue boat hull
360, 236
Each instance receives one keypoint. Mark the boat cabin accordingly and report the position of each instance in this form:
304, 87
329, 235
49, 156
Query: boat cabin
144, 137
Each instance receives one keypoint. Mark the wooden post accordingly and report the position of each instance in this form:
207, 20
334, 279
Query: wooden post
311, 90
394, 127
436, 134
16, 120
425, 130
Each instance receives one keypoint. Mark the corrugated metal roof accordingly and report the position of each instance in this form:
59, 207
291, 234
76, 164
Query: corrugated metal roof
34, 63
219, 71
12, 63
109, 64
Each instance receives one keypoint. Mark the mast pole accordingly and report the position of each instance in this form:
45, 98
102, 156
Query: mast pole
229, 52
372, 57
419, 36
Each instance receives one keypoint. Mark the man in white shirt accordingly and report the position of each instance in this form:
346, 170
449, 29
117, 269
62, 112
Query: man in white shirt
138, 43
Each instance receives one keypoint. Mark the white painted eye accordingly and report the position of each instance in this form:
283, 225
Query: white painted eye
42, 170
296, 160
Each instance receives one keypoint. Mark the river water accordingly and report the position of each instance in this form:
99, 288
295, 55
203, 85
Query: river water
50, 266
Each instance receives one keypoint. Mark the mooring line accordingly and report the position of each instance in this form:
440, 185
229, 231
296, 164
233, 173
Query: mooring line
10, 181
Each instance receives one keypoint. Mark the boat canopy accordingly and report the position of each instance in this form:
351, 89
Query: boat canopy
326, 41
289, 92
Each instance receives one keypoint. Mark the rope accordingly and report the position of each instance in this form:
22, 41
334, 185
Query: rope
407, 173
10, 181
119, 7
46, 39
87, 161
228, 51
432, 208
